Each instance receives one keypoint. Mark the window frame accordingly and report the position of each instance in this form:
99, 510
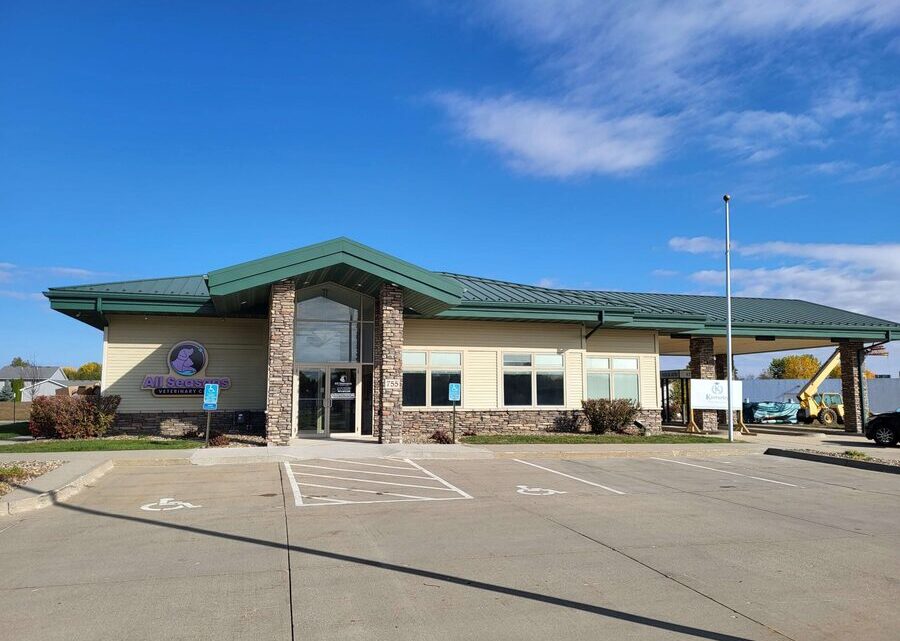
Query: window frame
533, 369
428, 368
611, 372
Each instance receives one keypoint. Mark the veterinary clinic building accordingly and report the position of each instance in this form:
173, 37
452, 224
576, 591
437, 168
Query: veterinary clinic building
339, 338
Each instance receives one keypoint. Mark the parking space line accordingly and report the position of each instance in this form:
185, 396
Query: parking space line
438, 479
298, 497
344, 478
379, 492
703, 467
343, 469
389, 467
569, 476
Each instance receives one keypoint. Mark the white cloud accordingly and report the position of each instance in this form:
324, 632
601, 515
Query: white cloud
853, 173
6, 293
547, 282
760, 135
551, 140
859, 277
697, 244
623, 80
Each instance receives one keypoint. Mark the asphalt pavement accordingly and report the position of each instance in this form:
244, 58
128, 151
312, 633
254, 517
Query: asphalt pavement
728, 548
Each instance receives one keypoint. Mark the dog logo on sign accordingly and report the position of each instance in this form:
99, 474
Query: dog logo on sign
536, 491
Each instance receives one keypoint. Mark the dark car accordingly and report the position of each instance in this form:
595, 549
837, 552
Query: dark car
884, 429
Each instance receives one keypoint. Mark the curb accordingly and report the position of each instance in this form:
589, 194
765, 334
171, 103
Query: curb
63, 493
573, 454
834, 460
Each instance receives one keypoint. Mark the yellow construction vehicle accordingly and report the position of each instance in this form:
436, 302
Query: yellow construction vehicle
828, 407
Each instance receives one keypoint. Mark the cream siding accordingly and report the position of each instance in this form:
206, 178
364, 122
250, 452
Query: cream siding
649, 380
480, 379
574, 378
483, 342
137, 347
622, 341
492, 334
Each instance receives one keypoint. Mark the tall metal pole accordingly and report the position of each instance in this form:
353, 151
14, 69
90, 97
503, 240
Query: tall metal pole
728, 356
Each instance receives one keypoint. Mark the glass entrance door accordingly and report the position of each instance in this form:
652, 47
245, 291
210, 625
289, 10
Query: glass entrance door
328, 400
342, 396
311, 419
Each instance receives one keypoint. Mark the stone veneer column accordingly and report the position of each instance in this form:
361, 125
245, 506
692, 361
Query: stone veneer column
280, 371
851, 367
388, 346
703, 365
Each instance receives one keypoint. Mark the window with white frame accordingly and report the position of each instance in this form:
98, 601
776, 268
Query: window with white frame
427, 377
533, 379
612, 377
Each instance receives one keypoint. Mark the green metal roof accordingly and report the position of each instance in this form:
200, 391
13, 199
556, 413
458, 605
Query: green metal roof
242, 290
745, 310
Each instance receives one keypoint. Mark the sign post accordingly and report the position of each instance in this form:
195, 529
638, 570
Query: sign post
455, 393
707, 394
210, 403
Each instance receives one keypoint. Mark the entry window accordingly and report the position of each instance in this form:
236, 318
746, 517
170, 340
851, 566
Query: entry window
612, 377
333, 325
533, 379
427, 377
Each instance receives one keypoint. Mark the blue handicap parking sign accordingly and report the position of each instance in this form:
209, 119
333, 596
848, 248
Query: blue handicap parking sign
455, 392
210, 396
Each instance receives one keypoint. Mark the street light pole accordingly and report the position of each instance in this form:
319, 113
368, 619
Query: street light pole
728, 355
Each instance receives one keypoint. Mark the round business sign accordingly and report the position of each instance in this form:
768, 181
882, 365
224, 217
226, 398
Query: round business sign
187, 358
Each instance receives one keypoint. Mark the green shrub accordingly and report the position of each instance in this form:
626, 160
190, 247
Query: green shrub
72, 416
604, 415
442, 437
570, 421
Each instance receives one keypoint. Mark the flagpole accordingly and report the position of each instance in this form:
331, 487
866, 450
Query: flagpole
728, 356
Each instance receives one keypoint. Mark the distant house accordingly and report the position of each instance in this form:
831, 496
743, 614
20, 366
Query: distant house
39, 380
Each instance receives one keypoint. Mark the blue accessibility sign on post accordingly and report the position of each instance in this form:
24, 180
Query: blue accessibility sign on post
455, 392
210, 396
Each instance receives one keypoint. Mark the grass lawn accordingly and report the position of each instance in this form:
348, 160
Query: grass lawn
572, 439
11, 430
11, 473
98, 444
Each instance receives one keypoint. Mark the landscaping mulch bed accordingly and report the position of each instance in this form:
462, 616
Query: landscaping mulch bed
854, 455
16, 473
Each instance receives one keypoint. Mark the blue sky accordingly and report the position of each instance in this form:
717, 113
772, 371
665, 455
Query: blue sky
567, 143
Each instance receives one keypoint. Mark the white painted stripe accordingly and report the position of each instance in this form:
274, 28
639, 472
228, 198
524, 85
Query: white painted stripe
703, 467
356, 489
344, 478
322, 498
568, 476
389, 467
438, 479
343, 469
298, 498
449, 498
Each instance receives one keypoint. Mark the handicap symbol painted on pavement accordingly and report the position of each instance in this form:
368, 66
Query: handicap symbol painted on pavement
164, 505
537, 491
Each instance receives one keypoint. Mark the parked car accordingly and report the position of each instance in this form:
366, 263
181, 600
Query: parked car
884, 429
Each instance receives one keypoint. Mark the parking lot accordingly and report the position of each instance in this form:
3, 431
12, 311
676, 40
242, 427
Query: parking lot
730, 548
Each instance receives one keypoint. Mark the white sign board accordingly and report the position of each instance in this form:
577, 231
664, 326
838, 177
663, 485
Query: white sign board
711, 395
392, 383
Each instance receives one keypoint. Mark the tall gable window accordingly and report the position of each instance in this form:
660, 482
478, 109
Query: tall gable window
333, 325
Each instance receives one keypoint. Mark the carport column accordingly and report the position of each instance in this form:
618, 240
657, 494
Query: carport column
851, 370
703, 365
280, 372
388, 370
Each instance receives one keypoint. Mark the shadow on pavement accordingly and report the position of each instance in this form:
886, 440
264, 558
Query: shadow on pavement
438, 576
